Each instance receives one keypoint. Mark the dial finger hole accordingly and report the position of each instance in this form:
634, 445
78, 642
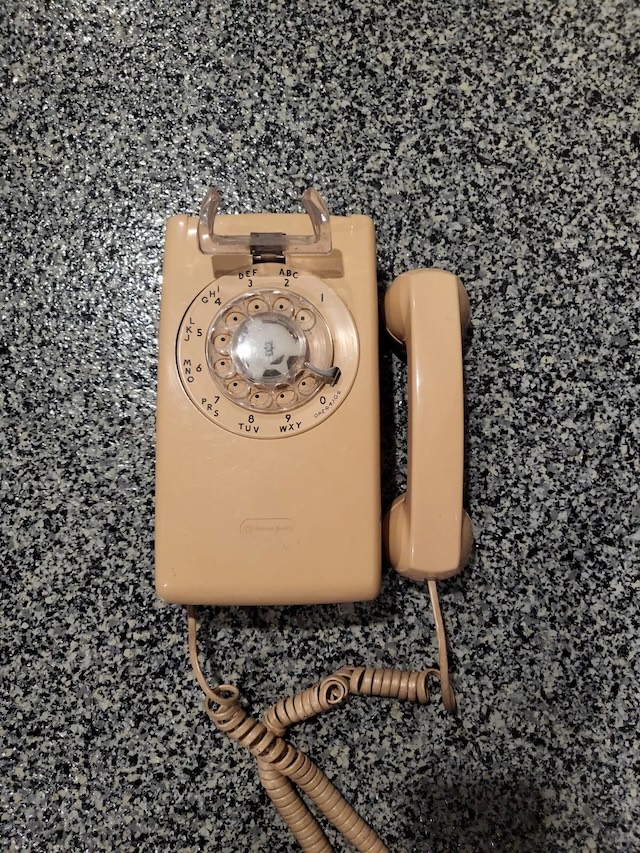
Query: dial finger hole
285, 397
237, 387
233, 319
305, 319
307, 385
223, 367
260, 400
221, 342
282, 304
256, 306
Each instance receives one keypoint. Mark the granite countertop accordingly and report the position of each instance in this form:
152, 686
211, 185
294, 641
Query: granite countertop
496, 140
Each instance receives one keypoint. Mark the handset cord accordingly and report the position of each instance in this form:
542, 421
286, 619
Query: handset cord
282, 766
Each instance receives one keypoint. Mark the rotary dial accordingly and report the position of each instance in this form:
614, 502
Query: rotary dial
269, 351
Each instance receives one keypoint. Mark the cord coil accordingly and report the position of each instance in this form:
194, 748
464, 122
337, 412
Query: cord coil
283, 768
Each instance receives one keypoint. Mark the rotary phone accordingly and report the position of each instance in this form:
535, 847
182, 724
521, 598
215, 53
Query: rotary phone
268, 448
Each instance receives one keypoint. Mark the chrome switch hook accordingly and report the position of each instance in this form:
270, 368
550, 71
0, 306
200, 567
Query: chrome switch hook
266, 246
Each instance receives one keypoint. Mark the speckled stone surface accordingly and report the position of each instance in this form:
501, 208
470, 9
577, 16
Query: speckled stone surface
498, 140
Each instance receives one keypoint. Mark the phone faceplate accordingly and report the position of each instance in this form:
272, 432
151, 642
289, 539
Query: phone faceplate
293, 519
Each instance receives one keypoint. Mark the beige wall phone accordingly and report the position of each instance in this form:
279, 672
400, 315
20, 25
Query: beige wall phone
267, 485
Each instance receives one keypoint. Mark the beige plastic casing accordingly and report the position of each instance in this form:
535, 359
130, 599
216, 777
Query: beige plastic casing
428, 535
289, 520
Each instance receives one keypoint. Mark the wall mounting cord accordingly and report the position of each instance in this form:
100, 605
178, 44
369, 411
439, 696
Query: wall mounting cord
282, 767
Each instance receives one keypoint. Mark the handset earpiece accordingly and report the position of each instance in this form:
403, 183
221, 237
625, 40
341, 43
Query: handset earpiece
429, 537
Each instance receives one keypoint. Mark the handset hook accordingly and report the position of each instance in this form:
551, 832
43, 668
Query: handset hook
266, 246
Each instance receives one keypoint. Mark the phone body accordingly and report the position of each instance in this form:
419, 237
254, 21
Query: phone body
279, 506
267, 467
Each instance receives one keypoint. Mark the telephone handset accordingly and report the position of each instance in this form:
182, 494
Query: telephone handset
428, 535
267, 474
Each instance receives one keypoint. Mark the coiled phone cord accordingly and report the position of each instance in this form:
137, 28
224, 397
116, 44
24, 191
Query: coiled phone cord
282, 766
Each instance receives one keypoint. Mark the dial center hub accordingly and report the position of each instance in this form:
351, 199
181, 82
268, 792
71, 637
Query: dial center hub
268, 349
